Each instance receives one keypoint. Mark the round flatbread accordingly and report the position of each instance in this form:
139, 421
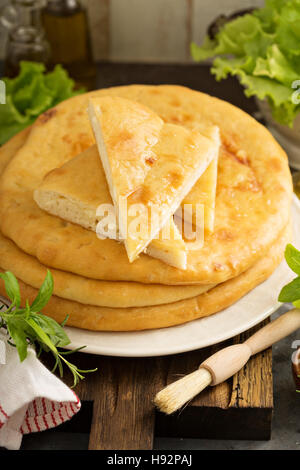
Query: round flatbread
73, 287
253, 193
91, 291
142, 318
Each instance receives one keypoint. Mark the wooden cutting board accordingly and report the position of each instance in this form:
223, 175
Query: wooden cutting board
122, 392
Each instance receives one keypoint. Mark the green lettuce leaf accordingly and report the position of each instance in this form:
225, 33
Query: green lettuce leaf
30, 94
276, 66
263, 50
11, 120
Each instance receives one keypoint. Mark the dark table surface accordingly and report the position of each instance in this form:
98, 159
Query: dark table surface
286, 428
194, 76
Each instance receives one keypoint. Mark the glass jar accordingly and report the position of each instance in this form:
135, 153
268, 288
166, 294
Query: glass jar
26, 38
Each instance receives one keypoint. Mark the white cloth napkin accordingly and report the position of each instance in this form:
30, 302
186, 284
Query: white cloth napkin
32, 399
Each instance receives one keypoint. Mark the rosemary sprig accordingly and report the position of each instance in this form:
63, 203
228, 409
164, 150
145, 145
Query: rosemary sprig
27, 326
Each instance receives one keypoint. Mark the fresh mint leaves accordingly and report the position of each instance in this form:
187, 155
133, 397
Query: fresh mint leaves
291, 292
29, 327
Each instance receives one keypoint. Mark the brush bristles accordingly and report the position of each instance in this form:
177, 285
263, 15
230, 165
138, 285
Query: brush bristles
175, 395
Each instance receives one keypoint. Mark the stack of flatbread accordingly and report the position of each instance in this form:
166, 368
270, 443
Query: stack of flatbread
71, 185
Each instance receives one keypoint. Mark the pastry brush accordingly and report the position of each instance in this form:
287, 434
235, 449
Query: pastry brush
225, 363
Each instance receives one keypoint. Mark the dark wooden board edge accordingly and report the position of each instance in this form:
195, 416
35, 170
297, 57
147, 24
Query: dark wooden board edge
123, 389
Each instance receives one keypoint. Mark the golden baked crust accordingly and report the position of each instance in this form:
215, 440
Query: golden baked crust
63, 194
253, 193
160, 316
204, 191
154, 165
10, 148
91, 291
73, 287
126, 319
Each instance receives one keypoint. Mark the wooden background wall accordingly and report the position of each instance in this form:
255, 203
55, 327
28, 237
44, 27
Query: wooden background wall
150, 30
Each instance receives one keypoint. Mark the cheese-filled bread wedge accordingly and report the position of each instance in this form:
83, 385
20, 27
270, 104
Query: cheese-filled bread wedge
204, 191
76, 190
152, 185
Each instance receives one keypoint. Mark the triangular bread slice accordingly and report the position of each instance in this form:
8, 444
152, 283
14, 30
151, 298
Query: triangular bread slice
171, 250
204, 191
74, 192
130, 132
177, 160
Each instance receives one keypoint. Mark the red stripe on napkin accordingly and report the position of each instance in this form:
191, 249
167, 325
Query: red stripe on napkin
44, 414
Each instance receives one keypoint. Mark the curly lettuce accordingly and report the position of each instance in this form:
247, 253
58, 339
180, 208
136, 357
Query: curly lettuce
263, 50
31, 93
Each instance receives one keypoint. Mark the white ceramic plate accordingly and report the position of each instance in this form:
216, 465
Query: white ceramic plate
247, 312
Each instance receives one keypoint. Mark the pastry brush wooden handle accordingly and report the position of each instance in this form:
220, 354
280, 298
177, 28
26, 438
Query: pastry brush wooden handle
225, 363
276, 330
230, 360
